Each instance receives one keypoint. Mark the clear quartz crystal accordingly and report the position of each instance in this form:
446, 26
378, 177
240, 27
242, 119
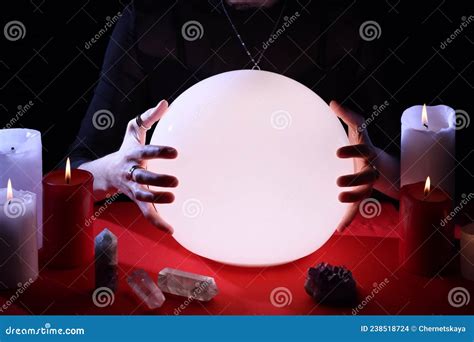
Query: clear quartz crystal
146, 289
187, 284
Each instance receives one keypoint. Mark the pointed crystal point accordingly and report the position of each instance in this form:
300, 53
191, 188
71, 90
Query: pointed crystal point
146, 289
187, 284
106, 260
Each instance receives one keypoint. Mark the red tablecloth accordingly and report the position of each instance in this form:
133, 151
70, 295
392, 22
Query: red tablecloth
372, 259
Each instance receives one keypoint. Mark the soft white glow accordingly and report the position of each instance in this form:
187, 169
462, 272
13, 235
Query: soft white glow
257, 168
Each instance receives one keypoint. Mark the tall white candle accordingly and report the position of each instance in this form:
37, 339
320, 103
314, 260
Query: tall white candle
427, 146
18, 244
21, 160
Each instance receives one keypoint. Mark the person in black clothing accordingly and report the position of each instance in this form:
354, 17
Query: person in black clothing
149, 59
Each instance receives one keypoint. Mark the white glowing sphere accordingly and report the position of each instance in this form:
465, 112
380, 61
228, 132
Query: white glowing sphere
257, 168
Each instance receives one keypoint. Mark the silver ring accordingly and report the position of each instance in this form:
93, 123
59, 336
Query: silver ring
133, 169
140, 124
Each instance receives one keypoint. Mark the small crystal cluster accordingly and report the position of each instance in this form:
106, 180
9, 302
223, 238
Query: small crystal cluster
331, 285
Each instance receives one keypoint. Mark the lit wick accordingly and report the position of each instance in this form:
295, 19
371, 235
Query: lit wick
9, 191
67, 176
427, 186
424, 116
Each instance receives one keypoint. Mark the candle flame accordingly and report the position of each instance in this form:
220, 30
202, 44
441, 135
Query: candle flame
68, 171
427, 186
9, 190
424, 116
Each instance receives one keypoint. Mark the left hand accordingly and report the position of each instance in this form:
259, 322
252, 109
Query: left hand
363, 153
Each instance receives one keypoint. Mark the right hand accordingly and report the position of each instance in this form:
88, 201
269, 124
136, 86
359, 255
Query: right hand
134, 152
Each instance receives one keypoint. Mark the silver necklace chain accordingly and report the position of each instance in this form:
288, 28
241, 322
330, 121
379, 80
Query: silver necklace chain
252, 59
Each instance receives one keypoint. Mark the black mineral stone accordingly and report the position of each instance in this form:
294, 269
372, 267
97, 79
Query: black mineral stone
331, 285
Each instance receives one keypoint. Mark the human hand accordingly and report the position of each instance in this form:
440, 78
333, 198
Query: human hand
363, 153
127, 171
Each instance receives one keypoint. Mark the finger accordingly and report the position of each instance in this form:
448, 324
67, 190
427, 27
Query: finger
348, 217
151, 214
142, 176
349, 117
355, 195
365, 177
150, 196
152, 152
356, 151
152, 115
137, 133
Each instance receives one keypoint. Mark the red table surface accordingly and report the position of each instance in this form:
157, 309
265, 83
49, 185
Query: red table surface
245, 291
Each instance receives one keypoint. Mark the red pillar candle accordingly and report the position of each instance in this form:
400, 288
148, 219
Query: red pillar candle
68, 203
426, 241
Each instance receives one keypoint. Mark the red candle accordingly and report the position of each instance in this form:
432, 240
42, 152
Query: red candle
426, 240
68, 203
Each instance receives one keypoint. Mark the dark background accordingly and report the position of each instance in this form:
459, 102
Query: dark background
52, 68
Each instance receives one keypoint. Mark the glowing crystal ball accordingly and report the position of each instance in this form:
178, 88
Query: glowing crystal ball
257, 168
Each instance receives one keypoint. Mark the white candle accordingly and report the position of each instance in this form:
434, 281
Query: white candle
18, 244
20, 160
427, 146
467, 251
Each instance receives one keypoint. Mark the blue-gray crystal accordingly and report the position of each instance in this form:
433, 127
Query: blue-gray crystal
106, 260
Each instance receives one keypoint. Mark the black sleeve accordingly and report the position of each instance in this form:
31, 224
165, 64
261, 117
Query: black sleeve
119, 95
375, 99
